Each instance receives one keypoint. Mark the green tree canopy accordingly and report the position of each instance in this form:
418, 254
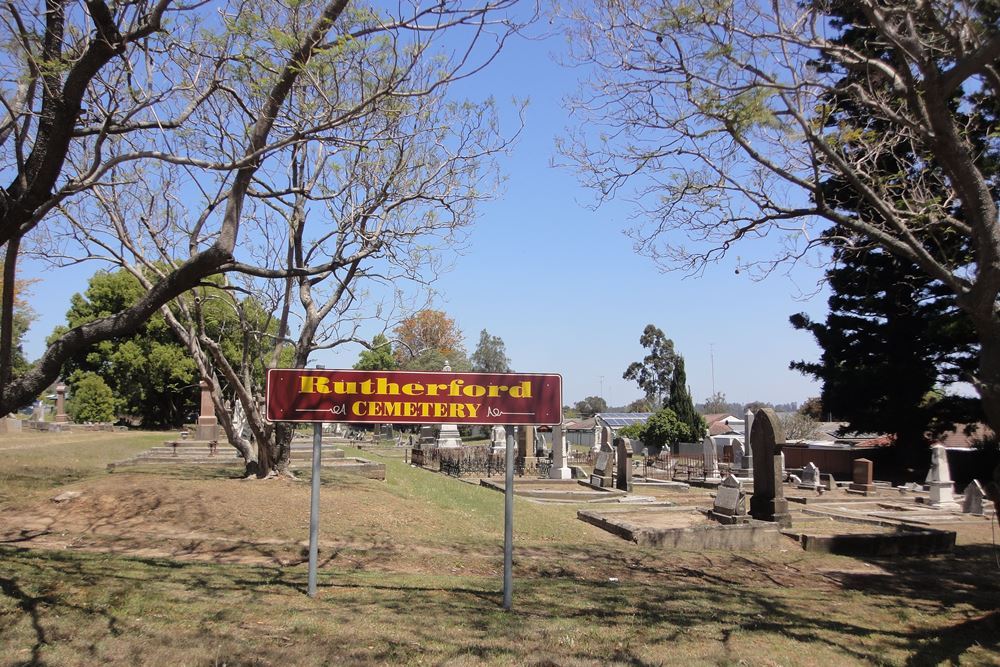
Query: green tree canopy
590, 406
91, 399
490, 355
663, 429
377, 358
654, 372
151, 374
680, 402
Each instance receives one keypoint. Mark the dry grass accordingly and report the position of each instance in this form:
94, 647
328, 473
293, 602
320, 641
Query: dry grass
194, 567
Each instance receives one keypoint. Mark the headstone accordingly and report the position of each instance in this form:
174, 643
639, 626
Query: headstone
748, 450
810, 475
447, 435
766, 440
428, 435
862, 474
738, 454
974, 495
61, 416
602, 477
829, 483
498, 438
623, 448
730, 500
540, 444
939, 471
10, 425
939, 480
711, 459
559, 469
208, 425
597, 438
39, 413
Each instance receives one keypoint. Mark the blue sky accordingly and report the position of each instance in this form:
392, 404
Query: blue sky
561, 285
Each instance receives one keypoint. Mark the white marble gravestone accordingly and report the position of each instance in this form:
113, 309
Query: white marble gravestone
974, 496
939, 479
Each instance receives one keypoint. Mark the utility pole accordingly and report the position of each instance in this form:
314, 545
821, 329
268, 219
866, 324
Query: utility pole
711, 352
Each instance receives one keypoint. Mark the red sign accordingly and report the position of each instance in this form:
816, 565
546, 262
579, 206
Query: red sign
411, 397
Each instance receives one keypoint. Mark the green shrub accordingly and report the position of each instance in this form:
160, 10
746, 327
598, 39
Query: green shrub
92, 399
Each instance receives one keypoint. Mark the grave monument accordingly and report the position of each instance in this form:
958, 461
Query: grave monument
602, 476
447, 436
711, 460
862, 477
766, 440
730, 502
623, 449
61, 416
560, 468
207, 428
974, 496
939, 479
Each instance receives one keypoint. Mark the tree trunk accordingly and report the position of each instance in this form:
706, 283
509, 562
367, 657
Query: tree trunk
988, 386
7, 311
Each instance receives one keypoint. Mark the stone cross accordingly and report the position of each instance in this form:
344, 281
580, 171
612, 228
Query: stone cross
974, 495
623, 448
766, 440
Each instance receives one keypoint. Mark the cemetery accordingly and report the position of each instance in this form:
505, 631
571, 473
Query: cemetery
415, 524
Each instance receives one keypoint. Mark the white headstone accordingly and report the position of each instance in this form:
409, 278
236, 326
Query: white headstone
974, 495
939, 472
711, 458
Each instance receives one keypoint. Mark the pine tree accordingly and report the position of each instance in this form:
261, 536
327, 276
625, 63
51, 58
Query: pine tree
682, 405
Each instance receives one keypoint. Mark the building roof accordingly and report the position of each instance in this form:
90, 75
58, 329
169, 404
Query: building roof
580, 424
619, 419
977, 433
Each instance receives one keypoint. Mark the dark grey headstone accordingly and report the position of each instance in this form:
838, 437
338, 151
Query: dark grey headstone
766, 441
624, 449
603, 465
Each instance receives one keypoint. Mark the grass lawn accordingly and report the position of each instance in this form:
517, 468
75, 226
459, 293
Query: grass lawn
195, 567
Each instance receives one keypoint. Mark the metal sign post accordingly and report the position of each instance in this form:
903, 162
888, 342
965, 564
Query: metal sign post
314, 507
300, 395
508, 522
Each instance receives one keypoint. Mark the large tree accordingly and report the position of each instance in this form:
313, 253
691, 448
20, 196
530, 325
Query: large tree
891, 337
195, 110
682, 405
490, 355
729, 119
429, 337
378, 356
654, 373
